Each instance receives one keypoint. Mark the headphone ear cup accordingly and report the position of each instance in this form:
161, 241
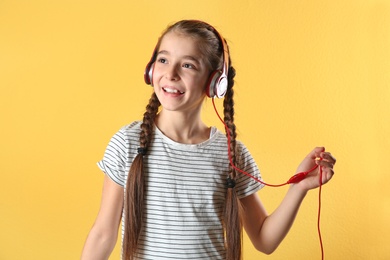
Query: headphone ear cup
217, 84
211, 83
221, 86
148, 75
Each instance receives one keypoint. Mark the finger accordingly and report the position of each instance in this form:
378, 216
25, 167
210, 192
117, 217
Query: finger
316, 152
328, 157
325, 163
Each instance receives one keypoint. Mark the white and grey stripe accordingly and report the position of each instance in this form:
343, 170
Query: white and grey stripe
185, 191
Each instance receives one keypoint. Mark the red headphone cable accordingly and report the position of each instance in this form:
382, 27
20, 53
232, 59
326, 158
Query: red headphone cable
319, 215
294, 179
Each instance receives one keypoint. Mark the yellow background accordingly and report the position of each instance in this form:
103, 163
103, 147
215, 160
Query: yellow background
308, 73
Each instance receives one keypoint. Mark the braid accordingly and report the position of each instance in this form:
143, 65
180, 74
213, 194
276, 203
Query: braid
148, 121
134, 197
228, 105
232, 217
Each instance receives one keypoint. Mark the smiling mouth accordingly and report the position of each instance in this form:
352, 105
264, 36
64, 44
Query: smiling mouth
172, 91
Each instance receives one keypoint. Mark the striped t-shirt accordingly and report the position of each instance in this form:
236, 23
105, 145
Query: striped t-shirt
185, 191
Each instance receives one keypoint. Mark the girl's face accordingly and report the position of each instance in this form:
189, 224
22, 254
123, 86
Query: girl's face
180, 73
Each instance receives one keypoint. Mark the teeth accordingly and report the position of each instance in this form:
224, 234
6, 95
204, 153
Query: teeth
174, 91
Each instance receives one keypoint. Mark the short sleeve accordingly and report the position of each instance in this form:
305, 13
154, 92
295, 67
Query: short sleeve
114, 162
245, 185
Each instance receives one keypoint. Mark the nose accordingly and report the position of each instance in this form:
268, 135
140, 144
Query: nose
172, 73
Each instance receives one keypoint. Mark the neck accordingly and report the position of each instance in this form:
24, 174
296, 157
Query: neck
182, 127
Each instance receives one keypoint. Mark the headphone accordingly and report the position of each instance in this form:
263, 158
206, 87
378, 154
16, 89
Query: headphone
217, 83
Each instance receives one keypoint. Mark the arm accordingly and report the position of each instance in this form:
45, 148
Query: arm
267, 231
103, 235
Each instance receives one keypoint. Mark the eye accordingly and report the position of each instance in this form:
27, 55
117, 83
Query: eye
162, 60
188, 66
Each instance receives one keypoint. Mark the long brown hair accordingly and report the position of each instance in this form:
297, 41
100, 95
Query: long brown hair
212, 50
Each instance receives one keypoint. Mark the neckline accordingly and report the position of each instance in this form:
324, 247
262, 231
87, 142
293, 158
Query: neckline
213, 135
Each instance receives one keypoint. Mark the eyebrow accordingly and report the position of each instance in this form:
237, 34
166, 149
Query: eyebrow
188, 57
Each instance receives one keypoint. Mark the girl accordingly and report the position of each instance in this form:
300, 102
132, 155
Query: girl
168, 177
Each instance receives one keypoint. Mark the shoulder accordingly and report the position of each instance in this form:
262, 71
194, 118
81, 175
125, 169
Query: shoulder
130, 131
221, 138
132, 127
217, 135
126, 136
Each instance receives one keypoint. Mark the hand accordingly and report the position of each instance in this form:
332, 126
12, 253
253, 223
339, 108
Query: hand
325, 162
